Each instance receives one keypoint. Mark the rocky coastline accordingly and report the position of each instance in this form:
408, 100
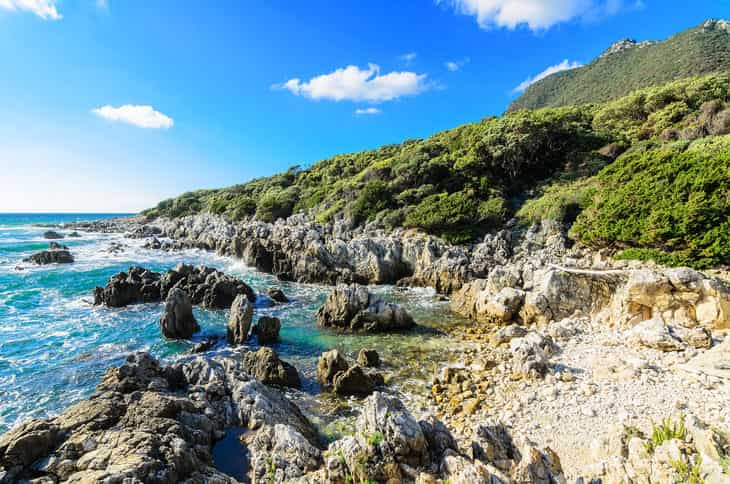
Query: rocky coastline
572, 363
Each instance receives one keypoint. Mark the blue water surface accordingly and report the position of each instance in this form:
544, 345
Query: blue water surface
55, 345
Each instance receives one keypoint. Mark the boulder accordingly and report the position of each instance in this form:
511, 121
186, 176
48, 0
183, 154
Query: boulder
353, 381
177, 319
329, 364
265, 366
368, 358
653, 333
50, 234
267, 330
353, 307
60, 256
277, 295
74, 234
57, 246
529, 356
239, 323
507, 334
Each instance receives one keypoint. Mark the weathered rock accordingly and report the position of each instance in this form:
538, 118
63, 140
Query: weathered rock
74, 234
354, 307
529, 355
206, 345
205, 286
56, 256
330, 364
653, 333
353, 381
148, 423
177, 319
267, 330
50, 234
368, 358
57, 246
277, 295
239, 323
265, 366
507, 334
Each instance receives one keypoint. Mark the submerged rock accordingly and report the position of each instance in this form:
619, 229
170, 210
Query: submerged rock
354, 307
50, 234
277, 295
177, 318
239, 324
57, 246
56, 256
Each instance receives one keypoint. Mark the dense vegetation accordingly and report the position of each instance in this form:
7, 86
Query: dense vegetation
696, 51
647, 172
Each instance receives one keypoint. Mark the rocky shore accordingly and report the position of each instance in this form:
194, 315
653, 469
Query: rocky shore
619, 368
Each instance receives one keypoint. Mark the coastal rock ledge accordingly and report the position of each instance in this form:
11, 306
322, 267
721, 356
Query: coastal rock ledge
158, 424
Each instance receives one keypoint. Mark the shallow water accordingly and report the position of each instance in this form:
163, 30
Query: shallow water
55, 346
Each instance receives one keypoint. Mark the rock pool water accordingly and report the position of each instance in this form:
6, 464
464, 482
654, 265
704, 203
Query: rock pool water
55, 346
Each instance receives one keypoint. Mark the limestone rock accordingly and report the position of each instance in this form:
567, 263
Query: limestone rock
267, 330
330, 364
354, 307
368, 358
177, 319
265, 366
54, 256
653, 333
239, 324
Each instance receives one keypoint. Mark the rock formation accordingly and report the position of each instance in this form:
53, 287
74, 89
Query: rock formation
267, 330
53, 256
177, 319
239, 324
355, 308
333, 371
205, 286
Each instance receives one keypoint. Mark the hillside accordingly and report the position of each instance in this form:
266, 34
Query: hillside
628, 65
648, 172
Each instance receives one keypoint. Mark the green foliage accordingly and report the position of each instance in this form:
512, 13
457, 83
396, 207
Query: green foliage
673, 202
270, 475
688, 473
375, 439
725, 464
696, 51
646, 173
665, 431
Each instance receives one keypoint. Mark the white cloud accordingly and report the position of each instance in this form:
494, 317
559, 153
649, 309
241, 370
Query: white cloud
409, 57
563, 66
454, 66
370, 111
45, 9
536, 14
354, 84
140, 116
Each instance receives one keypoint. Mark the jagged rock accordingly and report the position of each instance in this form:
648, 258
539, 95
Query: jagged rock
153, 243
712, 363
277, 295
177, 319
50, 234
56, 256
368, 358
265, 366
267, 330
530, 355
354, 307
148, 423
334, 371
57, 246
653, 333
74, 234
507, 334
239, 324
208, 344
329, 364
353, 381
205, 286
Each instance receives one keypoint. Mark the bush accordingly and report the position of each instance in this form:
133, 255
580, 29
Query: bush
373, 198
276, 204
676, 202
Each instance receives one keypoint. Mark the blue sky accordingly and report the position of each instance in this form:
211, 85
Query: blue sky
114, 105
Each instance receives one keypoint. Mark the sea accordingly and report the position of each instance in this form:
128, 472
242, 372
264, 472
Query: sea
55, 345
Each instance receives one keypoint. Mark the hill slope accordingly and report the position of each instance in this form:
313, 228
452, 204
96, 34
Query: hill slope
628, 65
647, 171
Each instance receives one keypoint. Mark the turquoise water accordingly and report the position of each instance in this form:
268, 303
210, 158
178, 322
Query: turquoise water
55, 345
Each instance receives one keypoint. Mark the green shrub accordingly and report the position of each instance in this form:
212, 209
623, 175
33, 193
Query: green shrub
373, 198
276, 204
665, 431
676, 202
